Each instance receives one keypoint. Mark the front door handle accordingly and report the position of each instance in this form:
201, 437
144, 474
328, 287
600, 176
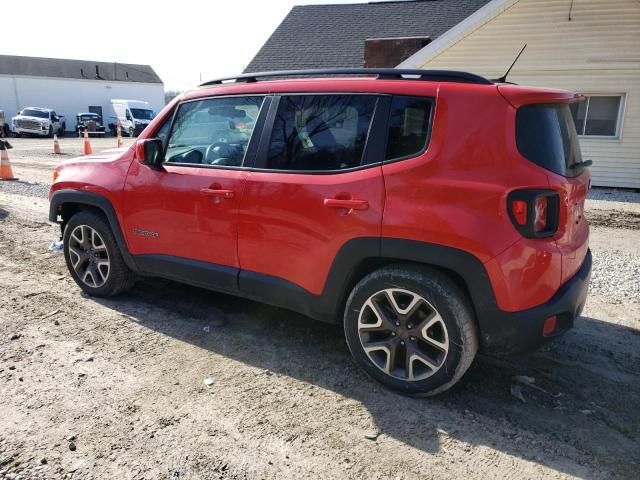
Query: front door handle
348, 204
217, 192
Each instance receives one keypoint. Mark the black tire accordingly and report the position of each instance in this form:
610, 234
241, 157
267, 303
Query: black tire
62, 130
454, 327
50, 134
132, 132
119, 278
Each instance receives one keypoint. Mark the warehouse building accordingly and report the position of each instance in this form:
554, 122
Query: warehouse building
587, 46
73, 86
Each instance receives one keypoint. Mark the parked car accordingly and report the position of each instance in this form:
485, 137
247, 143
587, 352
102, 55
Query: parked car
38, 121
133, 116
91, 122
431, 216
4, 126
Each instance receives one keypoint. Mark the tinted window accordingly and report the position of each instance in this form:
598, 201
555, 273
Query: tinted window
320, 132
409, 122
213, 131
546, 135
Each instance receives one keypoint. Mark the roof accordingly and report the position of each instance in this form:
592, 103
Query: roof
77, 69
324, 36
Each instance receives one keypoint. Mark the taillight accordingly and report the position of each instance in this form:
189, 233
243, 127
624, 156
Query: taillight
534, 213
540, 217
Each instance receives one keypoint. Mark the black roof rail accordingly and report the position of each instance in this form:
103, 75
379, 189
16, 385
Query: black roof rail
381, 73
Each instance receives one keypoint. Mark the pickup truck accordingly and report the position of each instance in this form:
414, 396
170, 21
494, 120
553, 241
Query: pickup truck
38, 121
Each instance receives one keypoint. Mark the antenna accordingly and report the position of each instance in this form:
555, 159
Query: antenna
503, 78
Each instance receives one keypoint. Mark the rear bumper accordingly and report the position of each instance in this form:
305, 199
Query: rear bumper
521, 332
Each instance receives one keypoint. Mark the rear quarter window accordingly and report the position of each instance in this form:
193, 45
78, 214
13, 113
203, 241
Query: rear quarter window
409, 126
546, 136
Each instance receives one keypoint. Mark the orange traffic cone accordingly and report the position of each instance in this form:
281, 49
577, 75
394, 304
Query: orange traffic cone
6, 173
119, 135
87, 143
57, 149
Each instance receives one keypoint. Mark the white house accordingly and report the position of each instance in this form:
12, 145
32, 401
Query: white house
587, 46
73, 86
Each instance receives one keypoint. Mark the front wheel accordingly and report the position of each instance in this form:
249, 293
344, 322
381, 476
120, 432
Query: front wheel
411, 329
93, 256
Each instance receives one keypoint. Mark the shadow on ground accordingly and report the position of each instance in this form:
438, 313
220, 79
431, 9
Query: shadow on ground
585, 420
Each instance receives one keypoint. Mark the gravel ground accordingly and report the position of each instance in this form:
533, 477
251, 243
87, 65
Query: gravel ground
614, 199
28, 189
616, 276
119, 388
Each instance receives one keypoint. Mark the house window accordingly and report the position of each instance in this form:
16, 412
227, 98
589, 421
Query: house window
598, 115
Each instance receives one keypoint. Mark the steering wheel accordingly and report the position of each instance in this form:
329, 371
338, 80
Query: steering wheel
217, 151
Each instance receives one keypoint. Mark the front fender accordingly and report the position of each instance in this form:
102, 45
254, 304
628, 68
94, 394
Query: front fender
91, 199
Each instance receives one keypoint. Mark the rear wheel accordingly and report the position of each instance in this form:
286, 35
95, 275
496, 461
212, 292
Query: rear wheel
411, 329
93, 256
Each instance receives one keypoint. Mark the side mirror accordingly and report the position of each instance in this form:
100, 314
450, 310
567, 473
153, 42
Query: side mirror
149, 152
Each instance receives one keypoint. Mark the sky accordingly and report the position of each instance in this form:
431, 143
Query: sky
183, 40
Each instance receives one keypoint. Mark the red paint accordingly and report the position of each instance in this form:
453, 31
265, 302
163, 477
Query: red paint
292, 225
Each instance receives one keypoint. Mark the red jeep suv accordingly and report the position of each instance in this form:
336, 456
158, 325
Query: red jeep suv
432, 213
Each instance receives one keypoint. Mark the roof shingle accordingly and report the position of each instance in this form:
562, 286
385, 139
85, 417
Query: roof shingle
325, 36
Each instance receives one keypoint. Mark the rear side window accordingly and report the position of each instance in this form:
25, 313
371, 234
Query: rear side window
409, 122
546, 135
320, 132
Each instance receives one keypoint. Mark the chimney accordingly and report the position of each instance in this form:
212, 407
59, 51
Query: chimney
389, 52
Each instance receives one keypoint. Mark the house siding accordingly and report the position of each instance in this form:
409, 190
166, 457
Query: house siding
596, 52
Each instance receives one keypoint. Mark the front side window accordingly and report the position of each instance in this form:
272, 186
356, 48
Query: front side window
320, 132
409, 121
213, 131
597, 116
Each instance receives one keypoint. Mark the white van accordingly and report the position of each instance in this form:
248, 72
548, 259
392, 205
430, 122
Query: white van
133, 115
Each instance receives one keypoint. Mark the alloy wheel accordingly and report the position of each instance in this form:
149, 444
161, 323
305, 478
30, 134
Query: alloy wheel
89, 256
403, 334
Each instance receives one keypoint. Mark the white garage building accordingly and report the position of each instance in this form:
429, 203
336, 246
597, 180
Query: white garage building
73, 86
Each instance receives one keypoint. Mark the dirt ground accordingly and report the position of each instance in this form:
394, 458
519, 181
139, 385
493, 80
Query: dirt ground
99, 389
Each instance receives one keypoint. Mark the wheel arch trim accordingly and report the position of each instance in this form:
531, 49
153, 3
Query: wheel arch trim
95, 200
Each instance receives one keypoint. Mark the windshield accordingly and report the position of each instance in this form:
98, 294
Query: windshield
30, 112
142, 113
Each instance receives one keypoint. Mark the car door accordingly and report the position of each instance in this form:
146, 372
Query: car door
317, 184
182, 218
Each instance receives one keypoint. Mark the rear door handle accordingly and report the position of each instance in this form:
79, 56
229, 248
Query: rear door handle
349, 204
219, 193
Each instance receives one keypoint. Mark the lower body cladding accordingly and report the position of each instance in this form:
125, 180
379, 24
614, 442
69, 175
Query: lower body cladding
527, 330
499, 331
